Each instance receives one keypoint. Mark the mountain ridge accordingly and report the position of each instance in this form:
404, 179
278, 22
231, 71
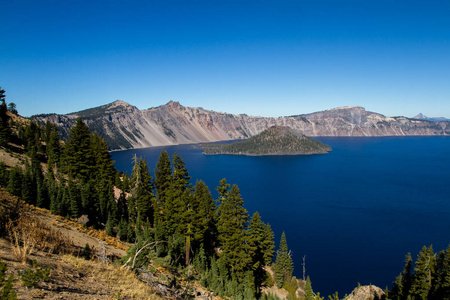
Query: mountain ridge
421, 116
124, 126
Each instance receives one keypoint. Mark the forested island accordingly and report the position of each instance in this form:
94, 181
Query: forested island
276, 140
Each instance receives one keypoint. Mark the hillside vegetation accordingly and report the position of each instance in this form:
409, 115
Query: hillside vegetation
277, 140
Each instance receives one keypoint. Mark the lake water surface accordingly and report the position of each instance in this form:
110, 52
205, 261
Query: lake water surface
354, 212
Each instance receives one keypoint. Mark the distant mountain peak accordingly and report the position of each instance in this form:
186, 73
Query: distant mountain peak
434, 119
420, 116
120, 103
174, 104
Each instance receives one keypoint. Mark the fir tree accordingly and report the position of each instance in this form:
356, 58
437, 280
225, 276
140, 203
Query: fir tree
257, 238
142, 191
53, 146
177, 206
78, 154
15, 181
7, 291
231, 225
444, 290
268, 245
163, 177
309, 294
283, 263
12, 107
424, 273
5, 131
74, 199
29, 189
43, 199
203, 219
104, 167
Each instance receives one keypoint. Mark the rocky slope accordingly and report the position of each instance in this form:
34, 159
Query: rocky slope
125, 126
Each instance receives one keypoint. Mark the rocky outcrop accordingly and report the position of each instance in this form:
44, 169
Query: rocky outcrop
366, 292
125, 126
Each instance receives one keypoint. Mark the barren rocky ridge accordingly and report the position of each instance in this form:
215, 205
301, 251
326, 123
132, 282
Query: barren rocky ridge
125, 126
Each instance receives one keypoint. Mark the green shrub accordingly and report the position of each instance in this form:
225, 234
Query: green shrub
268, 280
6, 286
86, 253
31, 277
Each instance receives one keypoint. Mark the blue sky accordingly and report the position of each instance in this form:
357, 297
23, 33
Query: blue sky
267, 58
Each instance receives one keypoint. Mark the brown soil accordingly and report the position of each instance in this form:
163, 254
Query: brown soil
71, 277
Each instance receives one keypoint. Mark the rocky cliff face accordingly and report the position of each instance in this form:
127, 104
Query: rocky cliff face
125, 126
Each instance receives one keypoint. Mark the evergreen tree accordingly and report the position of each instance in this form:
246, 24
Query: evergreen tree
405, 278
109, 227
15, 181
257, 239
7, 291
231, 225
12, 107
53, 145
177, 206
43, 199
74, 199
142, 191
104, 167
444, 287
5, 131
89, 201
48, 128
283, 263
268, 245
106, 200
122, 208
424, 273
309, 294
163, 177
203, 219
29, 189
79, 160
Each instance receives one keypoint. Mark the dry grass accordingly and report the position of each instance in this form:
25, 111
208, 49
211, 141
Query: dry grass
116, 278
23, 242
99, 234
28, 233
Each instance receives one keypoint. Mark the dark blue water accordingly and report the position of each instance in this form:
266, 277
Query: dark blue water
354, 213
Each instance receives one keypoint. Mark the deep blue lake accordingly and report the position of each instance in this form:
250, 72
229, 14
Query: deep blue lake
354, 212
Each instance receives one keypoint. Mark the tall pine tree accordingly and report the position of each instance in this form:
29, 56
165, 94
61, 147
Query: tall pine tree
424, 273
5, 130
79, 159
283, 263
232, 229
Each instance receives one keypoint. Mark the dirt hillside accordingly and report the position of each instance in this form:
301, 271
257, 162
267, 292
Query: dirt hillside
70, 277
